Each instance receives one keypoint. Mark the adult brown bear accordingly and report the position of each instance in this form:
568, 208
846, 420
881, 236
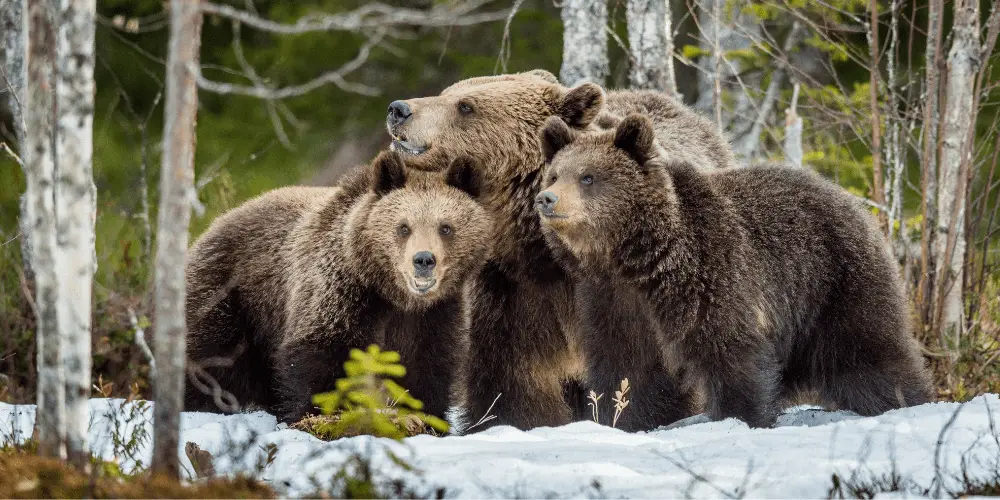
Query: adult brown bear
763, 281
525, 344
284, 286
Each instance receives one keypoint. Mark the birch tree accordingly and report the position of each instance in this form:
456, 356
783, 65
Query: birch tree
176, 196
75, 205
585, 42
648, 43
721, 33
39, 163
956, 159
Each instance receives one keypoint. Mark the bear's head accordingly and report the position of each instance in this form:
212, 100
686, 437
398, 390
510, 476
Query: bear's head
598, 187
495, 118
421, 233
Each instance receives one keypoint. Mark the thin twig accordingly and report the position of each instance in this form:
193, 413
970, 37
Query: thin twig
140, 340
486, 416
12, 154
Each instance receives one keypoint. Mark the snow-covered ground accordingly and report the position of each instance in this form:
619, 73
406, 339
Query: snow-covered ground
709, 459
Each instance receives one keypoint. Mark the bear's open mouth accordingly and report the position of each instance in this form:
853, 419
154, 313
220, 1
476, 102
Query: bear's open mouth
421, 286
401, 145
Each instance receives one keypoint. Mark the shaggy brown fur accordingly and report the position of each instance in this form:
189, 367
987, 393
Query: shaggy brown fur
763, 281
524, 341
286, 284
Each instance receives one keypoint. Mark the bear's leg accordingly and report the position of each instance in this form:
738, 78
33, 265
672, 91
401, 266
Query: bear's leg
744, 385
518, 352
432, 350
220, 345
306, 366
871, 362
619, 341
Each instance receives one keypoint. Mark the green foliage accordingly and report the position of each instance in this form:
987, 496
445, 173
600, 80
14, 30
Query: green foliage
368, 401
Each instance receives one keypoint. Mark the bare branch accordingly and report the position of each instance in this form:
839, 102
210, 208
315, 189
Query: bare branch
335, 77
372, 15
12, 154
140, 340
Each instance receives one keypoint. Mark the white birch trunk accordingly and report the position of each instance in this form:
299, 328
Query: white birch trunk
585, 42
647, 40
39, 162
668, 31
74, 193
956, 153
176, 195
719, 34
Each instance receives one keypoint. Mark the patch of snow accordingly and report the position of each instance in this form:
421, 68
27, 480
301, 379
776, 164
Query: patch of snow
697, 457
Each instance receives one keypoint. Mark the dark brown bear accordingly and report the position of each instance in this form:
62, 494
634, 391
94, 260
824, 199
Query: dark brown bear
524, 340
287, 284
764, 281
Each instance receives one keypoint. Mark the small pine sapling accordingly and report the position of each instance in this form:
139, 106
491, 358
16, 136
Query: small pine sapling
369, 401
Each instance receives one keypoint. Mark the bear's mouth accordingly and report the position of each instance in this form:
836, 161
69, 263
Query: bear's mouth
421, 286
401, 145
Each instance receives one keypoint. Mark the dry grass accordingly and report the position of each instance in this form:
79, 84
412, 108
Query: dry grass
329, 427
29, 476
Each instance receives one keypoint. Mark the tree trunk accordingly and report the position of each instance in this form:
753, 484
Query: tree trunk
720, 34
39, 164
956, 159
585, 42
74, 205
12, 80
176, 194
647, 40
668, 31
793, 131
928, 261
878, 181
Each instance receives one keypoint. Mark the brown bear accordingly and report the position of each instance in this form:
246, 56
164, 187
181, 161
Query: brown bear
284, 286
524, 340
764, 281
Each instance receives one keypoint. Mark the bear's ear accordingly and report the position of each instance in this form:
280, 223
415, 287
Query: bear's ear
581, 105
388, 173
543, 74
554, 136
635, 136
465, 175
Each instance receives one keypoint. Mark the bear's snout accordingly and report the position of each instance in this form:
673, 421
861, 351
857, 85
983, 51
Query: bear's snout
399, 111
546, 202
423, 264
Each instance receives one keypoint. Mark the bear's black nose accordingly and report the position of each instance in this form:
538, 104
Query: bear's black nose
423, 262
546, 200
399, 111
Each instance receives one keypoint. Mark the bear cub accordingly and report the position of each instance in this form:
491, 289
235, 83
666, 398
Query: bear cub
763, 281
283, 287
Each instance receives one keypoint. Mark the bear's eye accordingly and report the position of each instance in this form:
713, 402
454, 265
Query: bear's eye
445, 230
464, 108
587, 180
552, 180
403, 230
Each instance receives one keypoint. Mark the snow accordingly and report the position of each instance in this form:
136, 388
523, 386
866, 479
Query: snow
698, 458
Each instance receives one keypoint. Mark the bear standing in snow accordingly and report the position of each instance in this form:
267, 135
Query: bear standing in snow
525, 344
287, 284
763, 281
